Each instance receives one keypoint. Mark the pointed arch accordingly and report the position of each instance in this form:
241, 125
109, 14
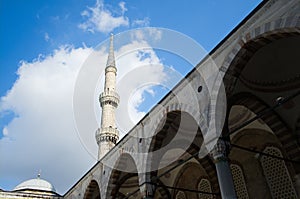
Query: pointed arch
251, 42
92, 191
177, 122
123, 178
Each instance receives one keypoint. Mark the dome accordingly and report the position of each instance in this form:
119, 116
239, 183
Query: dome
35, 184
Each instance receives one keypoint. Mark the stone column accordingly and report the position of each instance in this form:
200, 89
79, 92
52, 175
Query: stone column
148, 190
219, 155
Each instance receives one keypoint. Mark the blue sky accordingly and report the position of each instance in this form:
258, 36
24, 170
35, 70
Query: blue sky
34, 31
24, 25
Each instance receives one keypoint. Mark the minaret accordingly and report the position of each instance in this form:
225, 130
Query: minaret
108, 135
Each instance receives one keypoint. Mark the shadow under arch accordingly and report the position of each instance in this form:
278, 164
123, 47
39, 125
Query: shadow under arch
255, 179
246, 48
162, 192
92, 191
175, 122
123, 178
194, 172
273, 120
172, 135
261, 68
297, 129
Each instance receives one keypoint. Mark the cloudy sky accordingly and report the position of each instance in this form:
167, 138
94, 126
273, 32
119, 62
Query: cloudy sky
45, 45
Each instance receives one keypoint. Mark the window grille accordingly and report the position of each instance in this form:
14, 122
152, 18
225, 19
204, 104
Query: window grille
277, 175
180, 195
204, 185
239, 181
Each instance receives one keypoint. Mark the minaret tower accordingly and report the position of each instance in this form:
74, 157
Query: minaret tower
108, 135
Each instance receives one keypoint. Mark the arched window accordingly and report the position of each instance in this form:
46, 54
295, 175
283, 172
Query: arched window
204, 185
180, 195
239, 181
277, 175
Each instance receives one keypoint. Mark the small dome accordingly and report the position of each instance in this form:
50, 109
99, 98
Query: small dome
35, 184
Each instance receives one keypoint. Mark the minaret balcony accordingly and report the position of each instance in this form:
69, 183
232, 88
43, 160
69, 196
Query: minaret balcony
107, 134
111, 68
109, 97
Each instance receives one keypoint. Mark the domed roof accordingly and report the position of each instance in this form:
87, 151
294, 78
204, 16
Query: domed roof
35, 184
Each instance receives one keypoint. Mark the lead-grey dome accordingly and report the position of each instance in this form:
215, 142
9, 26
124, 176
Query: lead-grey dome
35, 184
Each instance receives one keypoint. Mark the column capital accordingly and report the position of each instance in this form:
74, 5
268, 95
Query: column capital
220, 151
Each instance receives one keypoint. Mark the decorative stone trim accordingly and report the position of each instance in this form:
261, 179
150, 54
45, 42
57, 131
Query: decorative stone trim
111, 69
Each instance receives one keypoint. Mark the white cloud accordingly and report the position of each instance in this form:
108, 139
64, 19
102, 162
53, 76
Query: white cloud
43, 134
141, 22
122, 6
135, 100
152, 34
103, 20
138, 70
155, 33
5, 131
46, 37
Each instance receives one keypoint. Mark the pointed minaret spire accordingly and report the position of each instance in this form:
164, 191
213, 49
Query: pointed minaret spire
111, 56
107, 135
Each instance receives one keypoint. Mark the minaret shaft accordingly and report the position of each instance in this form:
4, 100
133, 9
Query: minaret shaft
108, 135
